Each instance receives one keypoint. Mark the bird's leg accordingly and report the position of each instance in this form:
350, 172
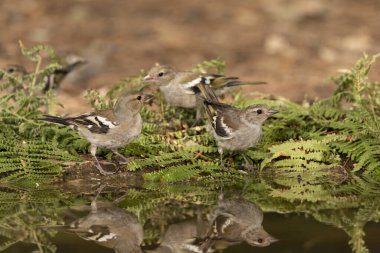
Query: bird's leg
94, 207
199, 222
248, 164
120, 199
121, 156
198, 114
97, 164
220, 150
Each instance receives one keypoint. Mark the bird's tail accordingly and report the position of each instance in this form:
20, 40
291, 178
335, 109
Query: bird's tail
219, 82
208, 96
233, 81
56, 120
206, 91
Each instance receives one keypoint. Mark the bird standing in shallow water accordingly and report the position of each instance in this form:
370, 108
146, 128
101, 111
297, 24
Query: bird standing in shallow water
180, 87
112, 129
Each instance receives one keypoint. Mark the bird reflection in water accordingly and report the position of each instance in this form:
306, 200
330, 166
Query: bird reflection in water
235, 221
230, 222
109, 226
182, 237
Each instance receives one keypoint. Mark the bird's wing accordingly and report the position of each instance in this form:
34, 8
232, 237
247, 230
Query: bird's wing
219, 228
222, 223
98, 233
215, 81
189, 81
224, 118
219, 82
96, 122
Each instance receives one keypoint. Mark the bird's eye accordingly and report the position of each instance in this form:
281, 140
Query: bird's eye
138, 97
160, 74
259, 111
260, 240
11, 70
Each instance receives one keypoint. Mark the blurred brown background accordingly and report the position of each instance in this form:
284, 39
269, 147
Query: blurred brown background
294, 45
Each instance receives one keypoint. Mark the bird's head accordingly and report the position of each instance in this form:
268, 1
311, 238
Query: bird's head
14, 70
257, 114
160, 75
258, 237
131, 102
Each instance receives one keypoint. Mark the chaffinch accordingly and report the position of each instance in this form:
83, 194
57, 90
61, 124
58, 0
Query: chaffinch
180, 87
15, 71
71, 62
182, 237
54, 80
109, 226
233, 128
236, 221
112, 128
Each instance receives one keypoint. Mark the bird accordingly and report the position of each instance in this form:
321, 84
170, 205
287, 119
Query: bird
97, 53
51, 81
180, 87
182, 237
107, 225
235, 221
70, 63
233, 128
16, 71
111, 128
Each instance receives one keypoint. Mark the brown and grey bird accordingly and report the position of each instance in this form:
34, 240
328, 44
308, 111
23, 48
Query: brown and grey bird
51, 81
14, 70
109, 226
180, 87
235, 221
112, 128
70, 63
181, 237
234, 129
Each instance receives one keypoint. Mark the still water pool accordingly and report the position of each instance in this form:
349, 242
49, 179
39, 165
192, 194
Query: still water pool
262, 215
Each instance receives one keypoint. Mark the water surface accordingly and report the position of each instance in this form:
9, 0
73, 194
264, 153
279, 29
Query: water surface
261, 215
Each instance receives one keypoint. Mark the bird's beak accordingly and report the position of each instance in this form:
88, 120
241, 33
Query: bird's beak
147, 98
272, 239
148, 78
271, 111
